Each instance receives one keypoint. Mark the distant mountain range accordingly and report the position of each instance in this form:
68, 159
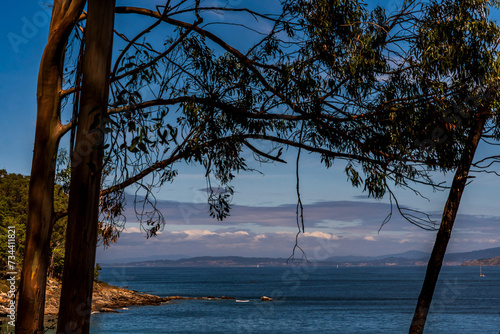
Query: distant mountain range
409, 255
494, 261
410, 258
144, 258
418, 258
479, 254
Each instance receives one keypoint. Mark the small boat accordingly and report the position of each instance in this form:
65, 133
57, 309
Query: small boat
242, 301
480, 272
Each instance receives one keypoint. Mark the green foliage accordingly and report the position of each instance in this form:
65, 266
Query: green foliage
97, 270
57, 262
439, 87
63, 170
408, 83
393, 94
14, 212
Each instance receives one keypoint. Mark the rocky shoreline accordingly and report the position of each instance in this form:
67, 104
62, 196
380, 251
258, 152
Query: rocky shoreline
105, 298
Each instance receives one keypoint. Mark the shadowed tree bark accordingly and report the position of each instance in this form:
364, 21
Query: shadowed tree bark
225, 99
41, 194
447, 221
87, 162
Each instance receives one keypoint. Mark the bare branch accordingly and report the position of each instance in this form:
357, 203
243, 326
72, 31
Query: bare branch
129, 45
157, 58
268, 156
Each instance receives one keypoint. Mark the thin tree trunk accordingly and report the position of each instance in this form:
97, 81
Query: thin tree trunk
31, 302
36, 257
447, 221
81, 237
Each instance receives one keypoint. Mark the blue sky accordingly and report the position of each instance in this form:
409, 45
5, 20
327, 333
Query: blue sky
262, 222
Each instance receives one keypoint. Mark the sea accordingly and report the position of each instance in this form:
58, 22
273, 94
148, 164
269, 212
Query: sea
307, 299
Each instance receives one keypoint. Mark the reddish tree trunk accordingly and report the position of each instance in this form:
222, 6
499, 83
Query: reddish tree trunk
31, 302
447, 221
81, 235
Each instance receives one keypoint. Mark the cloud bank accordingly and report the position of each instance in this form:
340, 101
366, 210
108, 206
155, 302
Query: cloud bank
347, 227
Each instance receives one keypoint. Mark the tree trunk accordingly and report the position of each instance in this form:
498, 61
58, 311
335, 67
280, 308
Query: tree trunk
31, 302
447, 221
81, 235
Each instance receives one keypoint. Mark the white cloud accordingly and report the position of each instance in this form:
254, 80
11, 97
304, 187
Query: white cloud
198, 234
322, 235
266, 231
194, 234
237, 233
131, 230
259, 237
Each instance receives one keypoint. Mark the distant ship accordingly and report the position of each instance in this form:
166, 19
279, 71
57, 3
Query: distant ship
480, 272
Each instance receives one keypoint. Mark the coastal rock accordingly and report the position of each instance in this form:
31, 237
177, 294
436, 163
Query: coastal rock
53, 296
3, 304
266, 299
105, 296
3, 311
198, 298
108, 310
178, 298
112, 297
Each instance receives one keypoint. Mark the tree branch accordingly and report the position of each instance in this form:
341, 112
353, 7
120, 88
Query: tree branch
157, 58
268, 156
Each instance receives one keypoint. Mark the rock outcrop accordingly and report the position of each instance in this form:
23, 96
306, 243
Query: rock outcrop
105, 298
112, 297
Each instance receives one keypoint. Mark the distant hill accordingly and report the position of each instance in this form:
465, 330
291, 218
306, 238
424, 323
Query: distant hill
494, 261
208, 261
410, 258
468, 256
419, 256
409, 255
143, 258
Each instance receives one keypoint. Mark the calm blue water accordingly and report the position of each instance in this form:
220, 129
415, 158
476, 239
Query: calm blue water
307, 300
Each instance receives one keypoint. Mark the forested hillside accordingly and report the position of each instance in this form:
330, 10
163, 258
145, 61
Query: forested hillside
13, 212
